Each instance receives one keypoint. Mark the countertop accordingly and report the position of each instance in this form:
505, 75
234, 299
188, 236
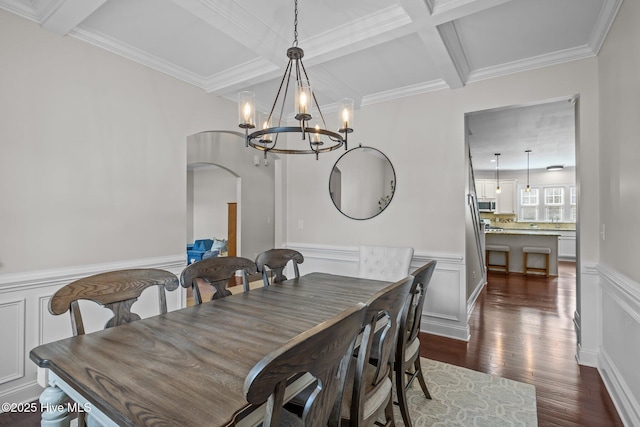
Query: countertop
516, 232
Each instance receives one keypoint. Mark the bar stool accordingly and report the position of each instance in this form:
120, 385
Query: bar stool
536, 250
498, 248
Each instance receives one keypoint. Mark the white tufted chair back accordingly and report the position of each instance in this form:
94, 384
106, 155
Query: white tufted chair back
384, 263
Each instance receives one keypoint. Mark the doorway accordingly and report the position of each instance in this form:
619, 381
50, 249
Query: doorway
515, 148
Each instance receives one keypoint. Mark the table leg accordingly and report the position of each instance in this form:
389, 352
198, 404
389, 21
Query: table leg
55, 408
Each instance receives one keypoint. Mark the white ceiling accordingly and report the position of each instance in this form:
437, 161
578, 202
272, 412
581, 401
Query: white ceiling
547, 129
368, 50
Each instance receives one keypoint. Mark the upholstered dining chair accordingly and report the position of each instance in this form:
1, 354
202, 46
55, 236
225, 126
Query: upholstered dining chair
368, 391
384, 262
276, 260
324, 352
216, 272
407, 360
115, 290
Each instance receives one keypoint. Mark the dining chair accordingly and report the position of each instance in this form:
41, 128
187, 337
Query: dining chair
384, 262
324, 352
115, 290
276, 260
368, 391
407, 359
216, 272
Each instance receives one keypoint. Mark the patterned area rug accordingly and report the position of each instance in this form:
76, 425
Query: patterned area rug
462, 397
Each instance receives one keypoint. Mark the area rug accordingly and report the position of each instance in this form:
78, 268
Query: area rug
462, 397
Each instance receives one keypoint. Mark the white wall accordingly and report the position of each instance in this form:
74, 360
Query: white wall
92, 152
423, 136
617, 302
256, 181
213, 189
92, 178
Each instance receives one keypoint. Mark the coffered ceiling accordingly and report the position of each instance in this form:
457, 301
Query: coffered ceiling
368, 50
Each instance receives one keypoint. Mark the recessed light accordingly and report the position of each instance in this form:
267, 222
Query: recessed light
555, 167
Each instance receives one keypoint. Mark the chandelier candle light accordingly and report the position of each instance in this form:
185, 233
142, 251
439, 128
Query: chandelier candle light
265, 138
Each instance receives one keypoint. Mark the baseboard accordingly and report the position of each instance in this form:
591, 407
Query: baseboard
24, 393
471, 302
628, 408
455, 332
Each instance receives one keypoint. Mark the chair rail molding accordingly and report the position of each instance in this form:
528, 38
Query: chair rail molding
24, 300
445, 309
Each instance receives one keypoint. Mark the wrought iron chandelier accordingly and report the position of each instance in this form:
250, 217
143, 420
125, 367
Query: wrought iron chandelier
312, 130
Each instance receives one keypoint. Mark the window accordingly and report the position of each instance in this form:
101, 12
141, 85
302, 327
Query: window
557, 203
553, 204
529, 205
573, 203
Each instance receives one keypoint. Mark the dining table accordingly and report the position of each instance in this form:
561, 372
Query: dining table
187, 367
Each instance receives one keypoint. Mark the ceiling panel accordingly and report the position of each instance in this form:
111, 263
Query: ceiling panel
522, 29
395, 64
170, 33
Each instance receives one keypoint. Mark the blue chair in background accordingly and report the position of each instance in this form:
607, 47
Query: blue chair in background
198, 249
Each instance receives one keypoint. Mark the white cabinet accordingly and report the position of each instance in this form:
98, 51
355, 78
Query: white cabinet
567, 245
486, 188
506, 203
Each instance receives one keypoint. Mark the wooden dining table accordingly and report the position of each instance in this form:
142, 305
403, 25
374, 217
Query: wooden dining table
187, 367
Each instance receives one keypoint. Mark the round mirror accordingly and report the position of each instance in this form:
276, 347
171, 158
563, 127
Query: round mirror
362, 183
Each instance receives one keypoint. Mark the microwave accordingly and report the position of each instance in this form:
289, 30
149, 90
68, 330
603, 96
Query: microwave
487, 205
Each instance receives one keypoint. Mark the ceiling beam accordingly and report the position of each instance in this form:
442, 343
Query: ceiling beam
385, 25
63, 16
450, 10
444, 52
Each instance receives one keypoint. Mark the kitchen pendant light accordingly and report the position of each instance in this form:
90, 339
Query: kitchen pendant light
266, 137
528, 189
498, 189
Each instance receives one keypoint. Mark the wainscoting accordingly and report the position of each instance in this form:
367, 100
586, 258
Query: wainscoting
446, 309
25, 321
619, 313
609, 319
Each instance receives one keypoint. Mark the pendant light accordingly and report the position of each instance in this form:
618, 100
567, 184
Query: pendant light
498, 189
528, 189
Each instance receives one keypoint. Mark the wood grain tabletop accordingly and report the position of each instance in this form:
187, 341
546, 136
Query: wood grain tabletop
187, 367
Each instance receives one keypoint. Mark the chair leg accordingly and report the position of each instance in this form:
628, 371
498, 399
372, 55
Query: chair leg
401, 391
423, 383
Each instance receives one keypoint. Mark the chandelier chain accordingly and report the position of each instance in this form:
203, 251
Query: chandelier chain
295, 25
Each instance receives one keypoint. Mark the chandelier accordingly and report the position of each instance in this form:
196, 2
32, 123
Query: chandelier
312, 130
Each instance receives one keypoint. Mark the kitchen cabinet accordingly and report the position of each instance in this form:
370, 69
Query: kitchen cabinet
567, 245
486, 188
506, 200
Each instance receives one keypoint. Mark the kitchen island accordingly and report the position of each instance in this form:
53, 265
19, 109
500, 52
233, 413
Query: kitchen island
516, 239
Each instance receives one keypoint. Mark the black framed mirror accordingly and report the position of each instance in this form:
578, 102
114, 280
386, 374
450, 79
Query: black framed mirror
362, 183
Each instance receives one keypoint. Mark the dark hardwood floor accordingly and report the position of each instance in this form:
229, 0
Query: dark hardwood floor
522, 329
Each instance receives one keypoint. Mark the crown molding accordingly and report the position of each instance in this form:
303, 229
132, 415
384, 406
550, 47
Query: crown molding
403, 92
540, 61
136, 55
603, 24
